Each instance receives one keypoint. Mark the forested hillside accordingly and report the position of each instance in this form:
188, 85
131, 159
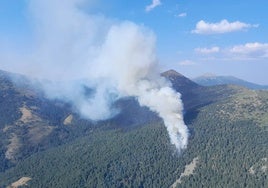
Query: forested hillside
227, 147
29, 122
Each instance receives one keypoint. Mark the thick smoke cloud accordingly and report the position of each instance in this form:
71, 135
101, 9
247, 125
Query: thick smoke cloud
74, 50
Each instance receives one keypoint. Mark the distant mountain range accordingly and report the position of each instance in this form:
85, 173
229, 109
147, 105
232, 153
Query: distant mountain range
211, 80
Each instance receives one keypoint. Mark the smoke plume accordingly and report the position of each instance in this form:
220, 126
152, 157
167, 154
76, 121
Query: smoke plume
73, 49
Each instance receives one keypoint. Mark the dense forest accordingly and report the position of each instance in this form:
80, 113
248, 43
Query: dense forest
228, 145
231, 153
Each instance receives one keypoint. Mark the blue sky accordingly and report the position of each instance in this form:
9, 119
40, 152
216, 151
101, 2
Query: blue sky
193, 37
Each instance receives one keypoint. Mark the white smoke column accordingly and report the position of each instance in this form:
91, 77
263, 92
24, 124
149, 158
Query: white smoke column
73, 49
129, 56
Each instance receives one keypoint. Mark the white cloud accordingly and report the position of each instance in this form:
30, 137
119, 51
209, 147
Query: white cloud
250, 50
154, 4
241, 52
184, 14
186, 63
224, 26
212, 50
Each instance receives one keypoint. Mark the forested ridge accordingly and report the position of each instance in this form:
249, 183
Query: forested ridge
227, 150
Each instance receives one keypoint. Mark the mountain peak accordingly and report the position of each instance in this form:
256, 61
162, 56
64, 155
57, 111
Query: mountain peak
208, 75
181, 83
171, 73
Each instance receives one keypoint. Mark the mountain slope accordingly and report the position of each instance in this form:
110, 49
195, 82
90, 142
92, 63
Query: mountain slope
211, 80
194, 95
180, 82
29, 122
229, 152
228, 141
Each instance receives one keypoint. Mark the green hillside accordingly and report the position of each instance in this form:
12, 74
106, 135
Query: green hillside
228, 152
29, 122
45, 144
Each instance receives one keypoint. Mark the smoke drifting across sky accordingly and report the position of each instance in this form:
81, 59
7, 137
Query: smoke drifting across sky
73, 49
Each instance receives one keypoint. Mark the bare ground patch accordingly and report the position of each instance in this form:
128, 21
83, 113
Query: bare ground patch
21, 182
27, 115
13, 147
189, 170
68, 120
